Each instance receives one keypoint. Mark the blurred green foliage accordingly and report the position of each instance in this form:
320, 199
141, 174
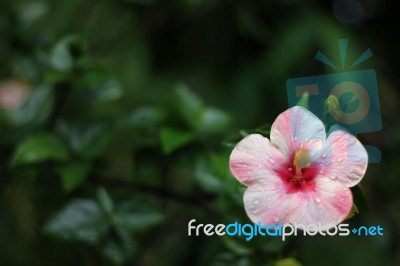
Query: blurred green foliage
126, 113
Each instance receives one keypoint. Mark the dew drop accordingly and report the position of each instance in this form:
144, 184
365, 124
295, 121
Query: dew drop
306, 139
275, 218
271, 160
322, 171
333, 176
295, 138
255, 202
318, 200
339, 159
290, 169
254, 212
324, 155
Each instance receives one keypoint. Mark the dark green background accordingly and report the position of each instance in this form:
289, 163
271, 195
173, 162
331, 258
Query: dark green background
122, 140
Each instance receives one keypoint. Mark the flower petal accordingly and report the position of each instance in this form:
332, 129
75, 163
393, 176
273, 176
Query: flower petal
325, 204
254, 157
297, 128
342, 158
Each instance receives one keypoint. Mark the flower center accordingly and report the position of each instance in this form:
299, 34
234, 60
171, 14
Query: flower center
299, 172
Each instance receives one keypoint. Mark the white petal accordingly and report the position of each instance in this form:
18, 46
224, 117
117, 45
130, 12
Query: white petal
342, 158
254, 157
297, 128
325, 203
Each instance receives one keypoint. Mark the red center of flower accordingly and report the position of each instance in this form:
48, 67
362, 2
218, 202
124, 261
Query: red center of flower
299, 173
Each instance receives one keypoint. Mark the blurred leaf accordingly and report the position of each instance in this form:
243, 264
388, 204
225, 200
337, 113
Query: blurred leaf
121, 248
359, 199
39, 148
137, 221
64, 53
207, 181
80, 220
100, 86
31, 12
213, 120
172, 139
105, 201
233, 244
37, 108
87, 139
288, 262
205, 174
142, 117
262, 130
73, 174
189, 104
113, 252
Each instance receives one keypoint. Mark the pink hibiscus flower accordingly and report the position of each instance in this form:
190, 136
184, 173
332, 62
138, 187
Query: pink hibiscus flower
299, 176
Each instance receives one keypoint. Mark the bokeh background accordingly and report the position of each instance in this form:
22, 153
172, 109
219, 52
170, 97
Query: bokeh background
117, 119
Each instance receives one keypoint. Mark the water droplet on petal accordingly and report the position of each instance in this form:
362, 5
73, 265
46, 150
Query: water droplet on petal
271, 160
318, 200
339, 159
306, 139
275, 219
324, 155
333, 176
322, 171
254, 212
290, 169
255, 202
295, 138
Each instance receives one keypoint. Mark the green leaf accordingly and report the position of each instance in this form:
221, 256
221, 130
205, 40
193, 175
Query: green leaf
121, 248
172, 139
206, 174
213, 120
100, 86
236, 246
73, 174
36, 109
359, 199
303, 101
39, 148
143, 117
113, 252
262, 130
80, 220
207, 181
288, 262
105, 201
189, 104
65, 52
87, 139
353, 211
137, 221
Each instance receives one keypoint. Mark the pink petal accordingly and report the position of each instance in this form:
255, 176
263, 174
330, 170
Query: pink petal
326, 203
342, 158
297, 128
254, 157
